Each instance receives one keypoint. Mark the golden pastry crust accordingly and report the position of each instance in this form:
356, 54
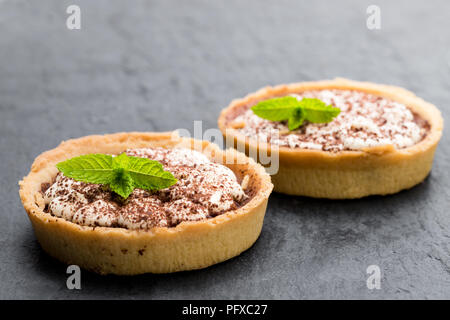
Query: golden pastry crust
346, 174
189, 245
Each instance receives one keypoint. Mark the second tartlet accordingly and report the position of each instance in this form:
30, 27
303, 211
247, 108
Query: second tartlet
383, 141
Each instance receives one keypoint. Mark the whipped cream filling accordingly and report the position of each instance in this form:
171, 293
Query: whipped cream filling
365, 121
204, 189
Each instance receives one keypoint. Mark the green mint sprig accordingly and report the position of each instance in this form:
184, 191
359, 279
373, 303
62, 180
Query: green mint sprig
295, 111
122, 173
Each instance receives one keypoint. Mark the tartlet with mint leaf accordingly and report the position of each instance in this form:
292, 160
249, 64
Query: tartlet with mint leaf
337, 139
132, 203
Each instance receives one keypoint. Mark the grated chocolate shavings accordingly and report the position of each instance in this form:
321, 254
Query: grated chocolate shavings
204, 189
365, 121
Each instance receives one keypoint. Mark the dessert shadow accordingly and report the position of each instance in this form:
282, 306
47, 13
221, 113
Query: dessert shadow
139, 286
376, 204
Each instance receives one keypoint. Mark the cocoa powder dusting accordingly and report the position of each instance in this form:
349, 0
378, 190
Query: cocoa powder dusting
204, 189
365, 121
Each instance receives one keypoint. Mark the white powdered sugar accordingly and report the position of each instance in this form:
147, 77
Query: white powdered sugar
365, 121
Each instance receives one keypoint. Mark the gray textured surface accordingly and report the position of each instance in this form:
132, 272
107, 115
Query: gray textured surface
160, 65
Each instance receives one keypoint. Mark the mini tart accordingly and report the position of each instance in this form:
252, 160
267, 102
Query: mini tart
346, 174
108, 250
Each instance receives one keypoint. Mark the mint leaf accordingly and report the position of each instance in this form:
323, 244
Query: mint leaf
90, 168
296, 119
276, 109
317, 111
121, 161
149, 174
122, 184
121, 173
295, 111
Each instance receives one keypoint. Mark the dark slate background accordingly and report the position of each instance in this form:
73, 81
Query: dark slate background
160, 65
